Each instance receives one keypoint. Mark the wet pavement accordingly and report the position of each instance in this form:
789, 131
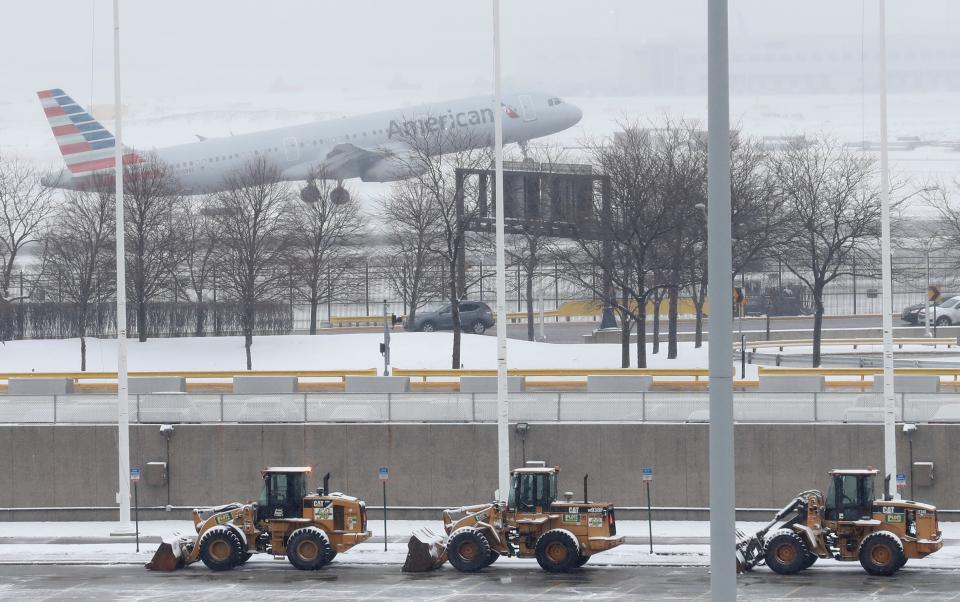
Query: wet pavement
340, 581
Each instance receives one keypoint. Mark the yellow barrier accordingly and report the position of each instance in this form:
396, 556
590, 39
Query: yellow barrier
358, 320
900, 342
861, 372
210, 374
696, 373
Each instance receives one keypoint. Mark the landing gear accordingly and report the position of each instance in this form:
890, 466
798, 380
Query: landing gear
525, 150
310, 193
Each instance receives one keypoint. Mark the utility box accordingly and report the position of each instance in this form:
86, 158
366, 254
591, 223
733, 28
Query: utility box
923, 474
155, 474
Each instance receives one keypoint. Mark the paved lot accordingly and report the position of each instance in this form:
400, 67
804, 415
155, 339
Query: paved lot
386, 582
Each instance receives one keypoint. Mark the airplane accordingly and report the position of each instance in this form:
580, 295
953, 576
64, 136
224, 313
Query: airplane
376, 147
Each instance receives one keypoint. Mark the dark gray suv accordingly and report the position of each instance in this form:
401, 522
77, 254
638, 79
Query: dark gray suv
475, 317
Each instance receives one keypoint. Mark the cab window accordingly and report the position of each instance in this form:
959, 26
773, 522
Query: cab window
529, 490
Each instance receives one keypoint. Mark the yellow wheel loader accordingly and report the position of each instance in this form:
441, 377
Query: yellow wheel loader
531, 524
846, 524
287, 521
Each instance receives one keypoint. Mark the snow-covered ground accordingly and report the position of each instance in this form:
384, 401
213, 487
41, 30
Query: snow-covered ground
25, 542
328, 352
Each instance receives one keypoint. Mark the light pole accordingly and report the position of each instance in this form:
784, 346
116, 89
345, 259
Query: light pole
503, 433
723, 574
886, 305
123, 419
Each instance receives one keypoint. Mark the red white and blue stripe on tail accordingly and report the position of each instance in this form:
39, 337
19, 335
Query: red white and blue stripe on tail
86, 145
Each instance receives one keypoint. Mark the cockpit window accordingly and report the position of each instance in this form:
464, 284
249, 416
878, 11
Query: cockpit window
554, 101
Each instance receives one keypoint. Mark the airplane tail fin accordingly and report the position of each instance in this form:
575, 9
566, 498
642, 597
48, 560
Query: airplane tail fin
85, 144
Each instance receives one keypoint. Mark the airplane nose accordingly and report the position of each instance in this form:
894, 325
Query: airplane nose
575, 114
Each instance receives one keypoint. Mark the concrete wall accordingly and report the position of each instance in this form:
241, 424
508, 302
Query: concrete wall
448, 465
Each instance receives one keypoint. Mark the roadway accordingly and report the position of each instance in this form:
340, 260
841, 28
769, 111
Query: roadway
269, 581
572, 332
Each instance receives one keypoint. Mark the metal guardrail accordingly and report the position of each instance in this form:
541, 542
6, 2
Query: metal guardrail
447, 407
861, 372
899, 342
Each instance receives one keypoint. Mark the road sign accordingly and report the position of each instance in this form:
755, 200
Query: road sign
648, 474
738, 297
901, 480
933, 294
384, 473
135, 475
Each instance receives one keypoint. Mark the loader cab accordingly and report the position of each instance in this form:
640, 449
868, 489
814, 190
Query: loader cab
850, 497
532, 489
282, 494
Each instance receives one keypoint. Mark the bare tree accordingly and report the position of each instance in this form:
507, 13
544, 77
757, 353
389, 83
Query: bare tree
324, 242
199, 245
945, 200
154, 237
411, 219
432, 155
832, 204
25, 208
249, 219
81, 257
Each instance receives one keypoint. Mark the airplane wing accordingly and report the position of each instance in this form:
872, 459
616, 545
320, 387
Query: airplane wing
345, 160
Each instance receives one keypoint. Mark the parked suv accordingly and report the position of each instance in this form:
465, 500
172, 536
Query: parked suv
475, 317
947, 313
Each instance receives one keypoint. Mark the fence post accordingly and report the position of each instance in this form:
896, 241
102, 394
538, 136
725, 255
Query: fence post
480, 279
138, 408
473, 406
221, 407
305, 407
389, 407
518, 289
54, 409
366, 286
556, 286
903, 406
815, 414
643, 406
559, 403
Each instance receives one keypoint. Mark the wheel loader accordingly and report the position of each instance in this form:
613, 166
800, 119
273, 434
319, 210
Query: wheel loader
286, 521
846, 524
531, 524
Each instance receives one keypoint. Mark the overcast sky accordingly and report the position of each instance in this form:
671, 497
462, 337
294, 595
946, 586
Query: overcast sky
184, 47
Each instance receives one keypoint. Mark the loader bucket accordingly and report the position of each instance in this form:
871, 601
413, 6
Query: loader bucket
749, 551
168, 557
426, 551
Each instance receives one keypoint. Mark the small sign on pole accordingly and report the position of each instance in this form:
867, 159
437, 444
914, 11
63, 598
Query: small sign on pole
135, 479
934, 294
901, 481
384, 473
647, 473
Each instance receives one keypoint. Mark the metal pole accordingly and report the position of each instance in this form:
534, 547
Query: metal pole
386, 341
926, 314
889, 398
723, 574
503, 434
649, 518
543, 334
123, 420
384, 515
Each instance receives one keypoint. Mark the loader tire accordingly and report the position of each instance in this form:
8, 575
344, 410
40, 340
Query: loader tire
308, 549
468, 550
881, 554
582, 559
492, 557
331, 555
786, 552
220, 549
244, 557
557, 551
809, 561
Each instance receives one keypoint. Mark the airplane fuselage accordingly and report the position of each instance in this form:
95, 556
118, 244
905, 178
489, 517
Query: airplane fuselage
374, 147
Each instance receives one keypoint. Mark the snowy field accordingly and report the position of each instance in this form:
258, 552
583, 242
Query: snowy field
328, 352
88, 542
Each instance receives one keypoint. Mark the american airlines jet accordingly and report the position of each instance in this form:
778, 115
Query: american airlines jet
371, 147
